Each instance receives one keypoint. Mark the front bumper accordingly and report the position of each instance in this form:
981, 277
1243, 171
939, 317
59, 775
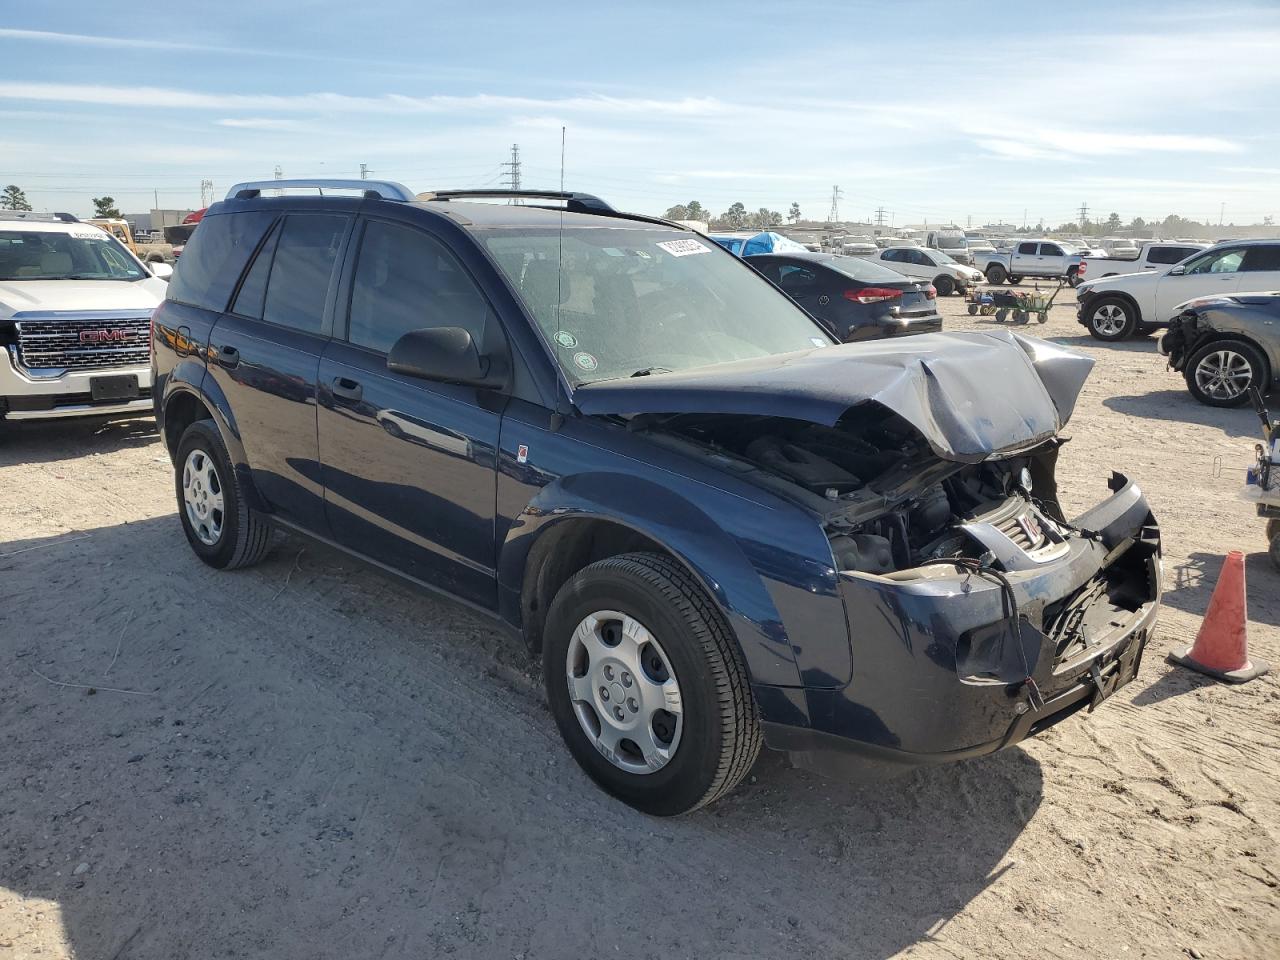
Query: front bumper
915, 697
23, 397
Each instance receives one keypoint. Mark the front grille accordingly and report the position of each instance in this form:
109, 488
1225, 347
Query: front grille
83, 344
1023, 529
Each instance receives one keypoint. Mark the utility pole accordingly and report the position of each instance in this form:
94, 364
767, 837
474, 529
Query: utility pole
968, 221
512, 168
1084, 216
1222, 209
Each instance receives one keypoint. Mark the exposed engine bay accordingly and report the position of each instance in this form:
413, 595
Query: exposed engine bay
888, 502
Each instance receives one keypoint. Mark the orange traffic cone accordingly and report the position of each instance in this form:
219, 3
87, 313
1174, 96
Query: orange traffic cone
1222, 648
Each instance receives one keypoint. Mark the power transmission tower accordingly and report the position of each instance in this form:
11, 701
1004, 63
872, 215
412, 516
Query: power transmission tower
206, 193
512, 168
365, 171
279, 172
1084, 216
880, 212
834, 216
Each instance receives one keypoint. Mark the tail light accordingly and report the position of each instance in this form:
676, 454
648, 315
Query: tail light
872, 294
931, 292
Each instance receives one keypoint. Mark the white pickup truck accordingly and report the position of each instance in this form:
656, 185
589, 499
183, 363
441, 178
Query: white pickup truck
1152, 255
75, 316
1032, 258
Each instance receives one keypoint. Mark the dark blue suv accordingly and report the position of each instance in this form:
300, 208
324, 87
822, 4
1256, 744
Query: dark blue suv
716, 526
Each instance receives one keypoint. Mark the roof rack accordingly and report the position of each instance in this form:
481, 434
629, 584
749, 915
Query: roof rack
372, 189
573, 202
44, 217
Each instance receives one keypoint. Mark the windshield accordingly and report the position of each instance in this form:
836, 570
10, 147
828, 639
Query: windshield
77, 255
940, 258
632, 301
951, 243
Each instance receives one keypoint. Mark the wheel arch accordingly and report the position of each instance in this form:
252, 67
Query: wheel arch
576, 521
189, 396
1128, 298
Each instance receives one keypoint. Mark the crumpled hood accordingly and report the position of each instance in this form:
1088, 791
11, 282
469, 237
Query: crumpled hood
21, 296
971, 395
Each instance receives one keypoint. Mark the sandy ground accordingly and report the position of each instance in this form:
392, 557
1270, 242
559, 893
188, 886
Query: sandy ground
308, 759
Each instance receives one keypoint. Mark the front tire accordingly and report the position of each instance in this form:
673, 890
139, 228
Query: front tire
944, 285
1112, 319
221, 528
647, 685
996, 274
1220, 373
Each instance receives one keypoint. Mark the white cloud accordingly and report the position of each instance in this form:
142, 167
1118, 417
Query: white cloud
259, 123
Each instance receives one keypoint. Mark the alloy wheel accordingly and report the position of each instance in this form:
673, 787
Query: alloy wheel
1109, 320
1223, 374
624, 692
202, 497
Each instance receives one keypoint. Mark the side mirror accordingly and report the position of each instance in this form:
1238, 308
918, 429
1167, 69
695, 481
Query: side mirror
1177, 271
446, 355
162, 270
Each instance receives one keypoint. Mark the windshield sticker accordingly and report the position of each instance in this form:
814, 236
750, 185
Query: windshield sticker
566, 339
585, 361
86, 235
683, 248
818, 342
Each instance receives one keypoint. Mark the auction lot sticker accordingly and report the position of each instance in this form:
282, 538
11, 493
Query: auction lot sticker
683, 248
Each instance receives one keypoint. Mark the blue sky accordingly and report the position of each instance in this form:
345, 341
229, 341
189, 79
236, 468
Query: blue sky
938, 111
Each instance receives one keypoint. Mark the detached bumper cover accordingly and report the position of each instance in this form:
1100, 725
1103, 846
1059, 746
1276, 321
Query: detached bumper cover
915, 697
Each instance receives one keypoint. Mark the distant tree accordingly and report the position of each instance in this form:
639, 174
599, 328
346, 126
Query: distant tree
13, 198
1113, 223
735, 218
794, 214
696, 211
1137, 224
1268, 221
678, 212
764, 218
106, 207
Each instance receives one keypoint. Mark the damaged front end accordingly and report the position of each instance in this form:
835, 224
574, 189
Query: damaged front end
978, 613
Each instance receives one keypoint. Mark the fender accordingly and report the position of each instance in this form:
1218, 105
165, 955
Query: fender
717, 560
190, 376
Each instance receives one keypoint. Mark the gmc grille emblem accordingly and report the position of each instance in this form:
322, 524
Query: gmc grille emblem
103, 336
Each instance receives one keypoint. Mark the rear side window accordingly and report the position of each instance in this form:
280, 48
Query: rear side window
1262, 258
1169, 254
214, 258
301, 270
254, 289
1050, 250
406, 280
1027, 248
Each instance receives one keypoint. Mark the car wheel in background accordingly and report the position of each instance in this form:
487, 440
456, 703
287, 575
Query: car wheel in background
1073, 278
1273, 541
221, 528
944, 285
1111, 319
647, 685
1220, 373
1015, 280
996, 274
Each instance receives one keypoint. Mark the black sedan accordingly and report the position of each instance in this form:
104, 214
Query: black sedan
854, 298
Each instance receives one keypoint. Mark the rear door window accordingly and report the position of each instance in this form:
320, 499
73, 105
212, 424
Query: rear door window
1050, 250
1168, 254
253, 290
1220, 261
1027, 248
1262, 258
302, 269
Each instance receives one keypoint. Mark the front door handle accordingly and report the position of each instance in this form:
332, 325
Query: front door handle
229, 357
347, 389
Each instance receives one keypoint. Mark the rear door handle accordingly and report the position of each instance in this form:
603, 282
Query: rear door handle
347, 389
228, 356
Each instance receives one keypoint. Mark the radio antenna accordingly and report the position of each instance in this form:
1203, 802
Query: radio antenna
562, 159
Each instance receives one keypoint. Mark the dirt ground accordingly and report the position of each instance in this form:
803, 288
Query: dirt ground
309, 759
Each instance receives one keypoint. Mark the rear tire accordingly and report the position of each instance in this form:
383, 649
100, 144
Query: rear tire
1073, 278
1273, 541
221, 528
996, 274
713, 735
944, 285
1111, 319
1014, 280
1220, 373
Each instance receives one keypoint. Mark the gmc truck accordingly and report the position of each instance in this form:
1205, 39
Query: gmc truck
1154, 255
1032, 258
75, 309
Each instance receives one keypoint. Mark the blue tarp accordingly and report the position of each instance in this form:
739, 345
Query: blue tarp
767, 242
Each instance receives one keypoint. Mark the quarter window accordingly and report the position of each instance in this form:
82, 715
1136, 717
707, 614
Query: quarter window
254, 288
301, 270
407, 280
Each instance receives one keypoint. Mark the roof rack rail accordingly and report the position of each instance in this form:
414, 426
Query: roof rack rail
372, 189
33, 215
573, 202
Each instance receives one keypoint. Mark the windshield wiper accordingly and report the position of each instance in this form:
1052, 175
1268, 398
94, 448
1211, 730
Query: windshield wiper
648, 370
